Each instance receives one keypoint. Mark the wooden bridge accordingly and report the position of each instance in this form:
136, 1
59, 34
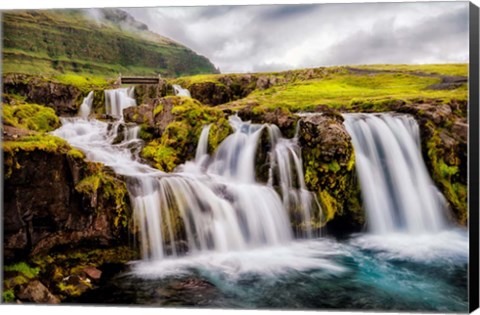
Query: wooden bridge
138, 80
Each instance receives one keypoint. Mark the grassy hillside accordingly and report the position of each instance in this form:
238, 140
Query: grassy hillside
343, 87
59, 42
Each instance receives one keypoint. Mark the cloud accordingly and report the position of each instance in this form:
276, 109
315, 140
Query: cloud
280, 37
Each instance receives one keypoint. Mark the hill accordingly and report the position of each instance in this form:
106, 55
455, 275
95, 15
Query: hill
101, 42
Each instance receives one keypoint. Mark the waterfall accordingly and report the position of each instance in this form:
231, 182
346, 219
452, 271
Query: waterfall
398, 193
202, 147
86, 106
117, 100
179, 91
213, 203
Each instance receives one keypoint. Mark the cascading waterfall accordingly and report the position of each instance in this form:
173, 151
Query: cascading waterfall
398, 193
179, 91
213, 203
117, 100
202, 146
226, 218
86, 106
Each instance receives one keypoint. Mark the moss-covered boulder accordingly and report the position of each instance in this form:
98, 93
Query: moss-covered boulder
54, 198
178, 124
63, 94
30, 116
329, 166
281, 117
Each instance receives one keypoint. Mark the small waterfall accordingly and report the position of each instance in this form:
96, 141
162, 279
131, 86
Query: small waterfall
86, 106
179, 91
213, 203
202, 147
117, 100
397, 190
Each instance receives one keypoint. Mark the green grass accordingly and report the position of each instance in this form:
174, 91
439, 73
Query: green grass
344, 89
453, 69
58, 42
83, 82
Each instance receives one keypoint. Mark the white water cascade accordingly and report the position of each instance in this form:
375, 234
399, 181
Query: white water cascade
397, 191
117, 100
86, 106
179, 91
213, 203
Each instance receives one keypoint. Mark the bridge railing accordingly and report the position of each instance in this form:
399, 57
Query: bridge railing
138, 80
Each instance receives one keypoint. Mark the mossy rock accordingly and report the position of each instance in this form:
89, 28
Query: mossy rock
329, 164
30, 116
179, 122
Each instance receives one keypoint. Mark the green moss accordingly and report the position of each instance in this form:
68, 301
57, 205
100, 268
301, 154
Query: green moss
165, 158
8, 296
89, 184
41, 142
446, 174
178, 141
24, 268
157, 110
144, 134
74, 261
334, 166
30, 116
70, 290
329, 205
84, 83
76, 154
101, 183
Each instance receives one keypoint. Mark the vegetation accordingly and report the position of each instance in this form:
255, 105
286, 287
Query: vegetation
344, 90
445, 164
454, 69
41, 142
30, 116
99, 184
21, 273
177, 142
58, 42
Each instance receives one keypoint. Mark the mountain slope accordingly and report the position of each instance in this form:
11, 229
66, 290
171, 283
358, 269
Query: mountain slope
101, 42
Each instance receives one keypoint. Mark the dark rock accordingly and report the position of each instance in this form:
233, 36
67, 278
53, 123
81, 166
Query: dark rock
210, 93
43, 209
283, 118
328, 161
165, 116
460, 129
36, 292
263, 83
147, 93
142, 114
64, 99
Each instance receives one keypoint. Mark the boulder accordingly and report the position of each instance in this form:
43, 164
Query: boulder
36, 292
51, 200
142, 114
328, 161
64, 99
210, 93
93, 273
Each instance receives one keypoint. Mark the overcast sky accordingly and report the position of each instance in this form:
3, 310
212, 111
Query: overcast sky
280, 37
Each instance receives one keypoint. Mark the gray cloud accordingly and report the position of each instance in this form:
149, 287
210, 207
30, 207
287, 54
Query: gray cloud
280, 37
439, 39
